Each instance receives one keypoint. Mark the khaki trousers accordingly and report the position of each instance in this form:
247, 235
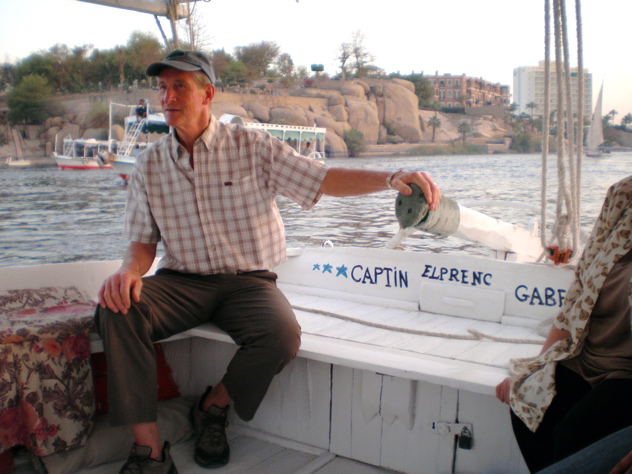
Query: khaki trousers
248, 306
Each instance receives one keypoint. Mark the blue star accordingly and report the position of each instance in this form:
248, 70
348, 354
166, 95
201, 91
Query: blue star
342, 271
316, 267
327, 268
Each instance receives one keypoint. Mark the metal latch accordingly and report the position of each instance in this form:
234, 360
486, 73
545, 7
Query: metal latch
463, 431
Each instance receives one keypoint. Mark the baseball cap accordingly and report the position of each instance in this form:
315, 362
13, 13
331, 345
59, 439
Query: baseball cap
184, 61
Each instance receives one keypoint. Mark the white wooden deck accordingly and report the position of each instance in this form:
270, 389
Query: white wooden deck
251, 452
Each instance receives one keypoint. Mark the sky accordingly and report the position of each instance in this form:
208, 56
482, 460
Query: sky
485, 38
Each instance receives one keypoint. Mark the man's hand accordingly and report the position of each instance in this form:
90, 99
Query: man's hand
503, 389
432, 193
624, 466
119, 289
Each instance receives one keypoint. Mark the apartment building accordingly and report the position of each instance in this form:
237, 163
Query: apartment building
528, 87
465, 91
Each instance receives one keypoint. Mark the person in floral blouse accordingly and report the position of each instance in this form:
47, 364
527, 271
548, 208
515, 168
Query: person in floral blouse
578, 390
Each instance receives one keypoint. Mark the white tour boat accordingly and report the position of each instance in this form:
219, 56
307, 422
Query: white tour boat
81, 154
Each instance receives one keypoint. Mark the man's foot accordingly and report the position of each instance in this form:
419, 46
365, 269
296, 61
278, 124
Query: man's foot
211, 446
140, 462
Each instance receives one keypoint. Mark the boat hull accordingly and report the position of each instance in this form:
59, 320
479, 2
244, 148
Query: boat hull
123, 165
67, 163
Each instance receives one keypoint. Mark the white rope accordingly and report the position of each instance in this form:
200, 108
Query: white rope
547, 119
474, 335
581, 86
566, 228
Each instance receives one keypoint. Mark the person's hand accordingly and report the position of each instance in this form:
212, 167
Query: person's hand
503, 389
624, 466
119, 289
432, 193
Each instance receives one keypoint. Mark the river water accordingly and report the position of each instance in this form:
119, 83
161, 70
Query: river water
48, 215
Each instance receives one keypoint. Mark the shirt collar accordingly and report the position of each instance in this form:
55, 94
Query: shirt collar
207, 137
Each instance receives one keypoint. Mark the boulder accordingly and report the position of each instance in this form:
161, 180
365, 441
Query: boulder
259, 112
288, 116
364, 85
118, 133
221, 108
363, 116
354, 90
336, 99
49, 135
71, 129
401, 112
405, 84
56, 122
339, 113
96, 133
335, 147
339, 128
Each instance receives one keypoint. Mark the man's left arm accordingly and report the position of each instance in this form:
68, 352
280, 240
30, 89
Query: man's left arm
341, 182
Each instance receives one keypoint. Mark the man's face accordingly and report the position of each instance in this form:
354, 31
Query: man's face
183, 102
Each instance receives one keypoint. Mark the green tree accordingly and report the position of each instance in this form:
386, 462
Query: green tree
257, 57
361, 57
464, 128
532, 106
434, 122
285, 67
344, 54
612, 113
354, 139
27, 100
626, 121
141, 49
237, 73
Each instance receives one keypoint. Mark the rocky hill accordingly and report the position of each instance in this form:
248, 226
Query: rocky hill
385, 111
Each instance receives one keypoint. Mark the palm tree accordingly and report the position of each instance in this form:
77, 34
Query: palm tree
613, 113
464, 127
627, 120
434, 122
532, 106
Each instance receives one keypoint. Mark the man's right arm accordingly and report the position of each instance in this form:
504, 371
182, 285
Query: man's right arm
119, 289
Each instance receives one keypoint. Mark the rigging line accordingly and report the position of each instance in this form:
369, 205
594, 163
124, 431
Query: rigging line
561, 226
474, 335
571, 127
546, 126
580, 115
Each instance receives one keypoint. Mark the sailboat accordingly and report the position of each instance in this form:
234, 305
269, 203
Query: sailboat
595, 133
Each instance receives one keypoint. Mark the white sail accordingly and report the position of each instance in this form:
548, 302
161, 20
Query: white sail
595, 133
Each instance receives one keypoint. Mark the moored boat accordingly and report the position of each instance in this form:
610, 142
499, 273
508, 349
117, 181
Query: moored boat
81, 154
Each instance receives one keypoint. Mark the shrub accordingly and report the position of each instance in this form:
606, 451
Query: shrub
354, 139
98, 116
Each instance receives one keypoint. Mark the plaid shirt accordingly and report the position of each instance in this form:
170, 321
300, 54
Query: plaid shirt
221, 217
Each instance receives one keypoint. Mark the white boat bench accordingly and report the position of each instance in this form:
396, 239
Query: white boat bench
397, 389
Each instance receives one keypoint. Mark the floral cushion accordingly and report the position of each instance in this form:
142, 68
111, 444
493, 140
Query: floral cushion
46, 392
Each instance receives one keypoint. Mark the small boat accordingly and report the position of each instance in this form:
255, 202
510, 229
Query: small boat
595, 139
82, 154
123, 159
17, 162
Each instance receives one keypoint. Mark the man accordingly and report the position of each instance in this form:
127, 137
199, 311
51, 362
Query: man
207, 191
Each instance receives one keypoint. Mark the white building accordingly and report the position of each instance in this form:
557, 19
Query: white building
528, 87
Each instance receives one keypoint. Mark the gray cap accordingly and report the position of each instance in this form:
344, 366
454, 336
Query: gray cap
184, 61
